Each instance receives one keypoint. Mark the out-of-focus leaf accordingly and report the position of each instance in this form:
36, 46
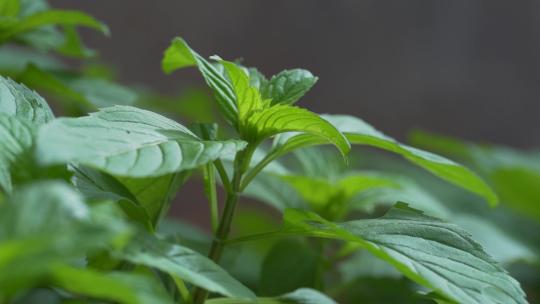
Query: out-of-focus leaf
119, 287
17, 100
137, 143
13, 60
9, 8
86, 92
299, 296
185, 263
42, 225
16, 140
290, 264
359, 132
51, 17
435, 254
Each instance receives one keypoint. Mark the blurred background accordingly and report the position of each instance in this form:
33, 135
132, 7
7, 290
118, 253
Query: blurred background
464, 68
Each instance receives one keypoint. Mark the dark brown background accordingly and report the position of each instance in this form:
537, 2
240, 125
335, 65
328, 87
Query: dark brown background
465, 68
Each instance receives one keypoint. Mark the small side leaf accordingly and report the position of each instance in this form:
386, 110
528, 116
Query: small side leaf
288, 86
17, 100
299, 296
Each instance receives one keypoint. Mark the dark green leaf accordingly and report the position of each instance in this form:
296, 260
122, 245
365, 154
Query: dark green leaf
289, 265
299, 296
185, 263
119, 287
51, 17
435, 254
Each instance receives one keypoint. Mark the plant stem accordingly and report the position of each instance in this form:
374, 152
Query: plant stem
211, 194
241, 163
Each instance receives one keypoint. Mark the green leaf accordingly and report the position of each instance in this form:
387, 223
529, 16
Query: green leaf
73, 45
179, 55
18, 100
119, 287
247, 97
286, 255
331, 197
299, 296
9, 8
51, 17
435, 254
288, 86
185, 263
72, 89
285, 118
359, 132
126, 141
42, 224
16, 140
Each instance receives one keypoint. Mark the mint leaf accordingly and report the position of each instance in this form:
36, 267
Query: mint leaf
16, 140
185, 263
179, 55
438, 255
288, 86
18, 100
359, 132
126, 141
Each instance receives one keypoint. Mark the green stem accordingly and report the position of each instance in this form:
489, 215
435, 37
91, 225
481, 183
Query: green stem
211, 194
241, 163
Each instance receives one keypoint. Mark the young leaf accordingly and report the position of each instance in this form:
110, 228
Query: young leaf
288, 86
185, 263
285, 118
179, 55
248, 99
435, 254
16, 140
299, 296
359, 132
18, 100
128, 288
126, 141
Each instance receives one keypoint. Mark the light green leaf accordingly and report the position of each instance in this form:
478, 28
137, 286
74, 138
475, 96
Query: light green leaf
359, 132
51, 17
435, 254
185, 263
247, 97
9, 8
299, 296
288, 86
331, 198
119, 287
285, 118
16, 140
18, 100
179, 55
126, 141
13, 60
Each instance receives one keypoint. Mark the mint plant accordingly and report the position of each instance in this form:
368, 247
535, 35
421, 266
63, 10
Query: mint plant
84, 199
